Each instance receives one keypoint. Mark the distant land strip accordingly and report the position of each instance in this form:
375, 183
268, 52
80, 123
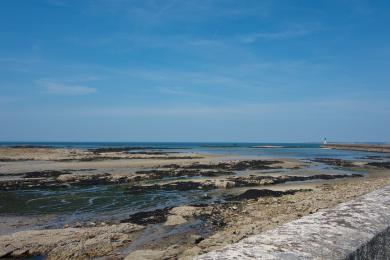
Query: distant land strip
267, 146
382, 148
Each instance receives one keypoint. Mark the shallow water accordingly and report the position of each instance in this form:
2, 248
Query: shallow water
113, 202
97, 203
286, 150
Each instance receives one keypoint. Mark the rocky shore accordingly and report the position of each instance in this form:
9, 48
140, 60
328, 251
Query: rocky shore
240, 197
23, 153
225, 223
236, 221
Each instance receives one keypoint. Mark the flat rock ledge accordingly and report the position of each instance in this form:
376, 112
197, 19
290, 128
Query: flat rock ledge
358, 229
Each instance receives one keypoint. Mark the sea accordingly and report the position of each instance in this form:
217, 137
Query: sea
113, 202
284, 150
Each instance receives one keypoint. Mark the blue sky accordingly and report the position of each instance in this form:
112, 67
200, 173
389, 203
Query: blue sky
209, 70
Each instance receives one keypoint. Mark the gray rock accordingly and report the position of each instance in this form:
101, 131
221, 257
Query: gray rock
359, 229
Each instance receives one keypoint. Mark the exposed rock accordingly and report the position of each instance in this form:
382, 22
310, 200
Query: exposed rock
179, 215
185, 211
179, 185
385, 165
60, 179
28, 184
198, 239
69, 243
244, 181
160, 174
173, 220
335, 162
44, 174
15, 160
374, 157
65, 179
9, 154
255, 193
146, 254
228, 221
148, 217
231, 165
358, 229
254, 180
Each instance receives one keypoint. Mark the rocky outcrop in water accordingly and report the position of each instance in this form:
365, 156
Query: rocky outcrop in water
178, 172
385, 165
254, 180
62, 179
255, 193
68, 243
53, 179
9, 154
231, 165
44, 174
148, 217
245, 181
335, 162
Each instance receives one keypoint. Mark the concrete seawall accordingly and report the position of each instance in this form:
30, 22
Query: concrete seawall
378, 148
358, 229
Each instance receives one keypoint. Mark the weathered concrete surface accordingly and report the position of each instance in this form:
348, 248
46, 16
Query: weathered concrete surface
359, 229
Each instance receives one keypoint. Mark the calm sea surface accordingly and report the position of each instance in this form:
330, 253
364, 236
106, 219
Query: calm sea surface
292, 150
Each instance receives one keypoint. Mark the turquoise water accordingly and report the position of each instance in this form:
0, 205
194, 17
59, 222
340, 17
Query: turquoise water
288, 150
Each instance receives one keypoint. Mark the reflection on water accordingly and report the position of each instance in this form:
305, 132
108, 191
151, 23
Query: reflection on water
113, 202
89, 203
306, 152
106, 201
292, 150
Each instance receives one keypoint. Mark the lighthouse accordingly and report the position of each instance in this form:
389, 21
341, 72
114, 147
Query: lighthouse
325, 141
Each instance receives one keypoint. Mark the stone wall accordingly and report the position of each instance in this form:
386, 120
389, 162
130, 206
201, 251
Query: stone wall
358, 229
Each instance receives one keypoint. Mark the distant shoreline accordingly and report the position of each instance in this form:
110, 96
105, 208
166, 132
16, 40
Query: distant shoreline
382, 148
267, 146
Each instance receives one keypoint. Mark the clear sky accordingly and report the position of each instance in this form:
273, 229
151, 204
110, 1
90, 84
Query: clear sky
207, 70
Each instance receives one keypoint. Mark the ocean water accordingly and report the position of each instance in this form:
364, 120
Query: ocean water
113, 201
284, 150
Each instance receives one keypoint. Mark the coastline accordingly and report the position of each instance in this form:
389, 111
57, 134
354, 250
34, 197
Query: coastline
384, 148
242, 196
